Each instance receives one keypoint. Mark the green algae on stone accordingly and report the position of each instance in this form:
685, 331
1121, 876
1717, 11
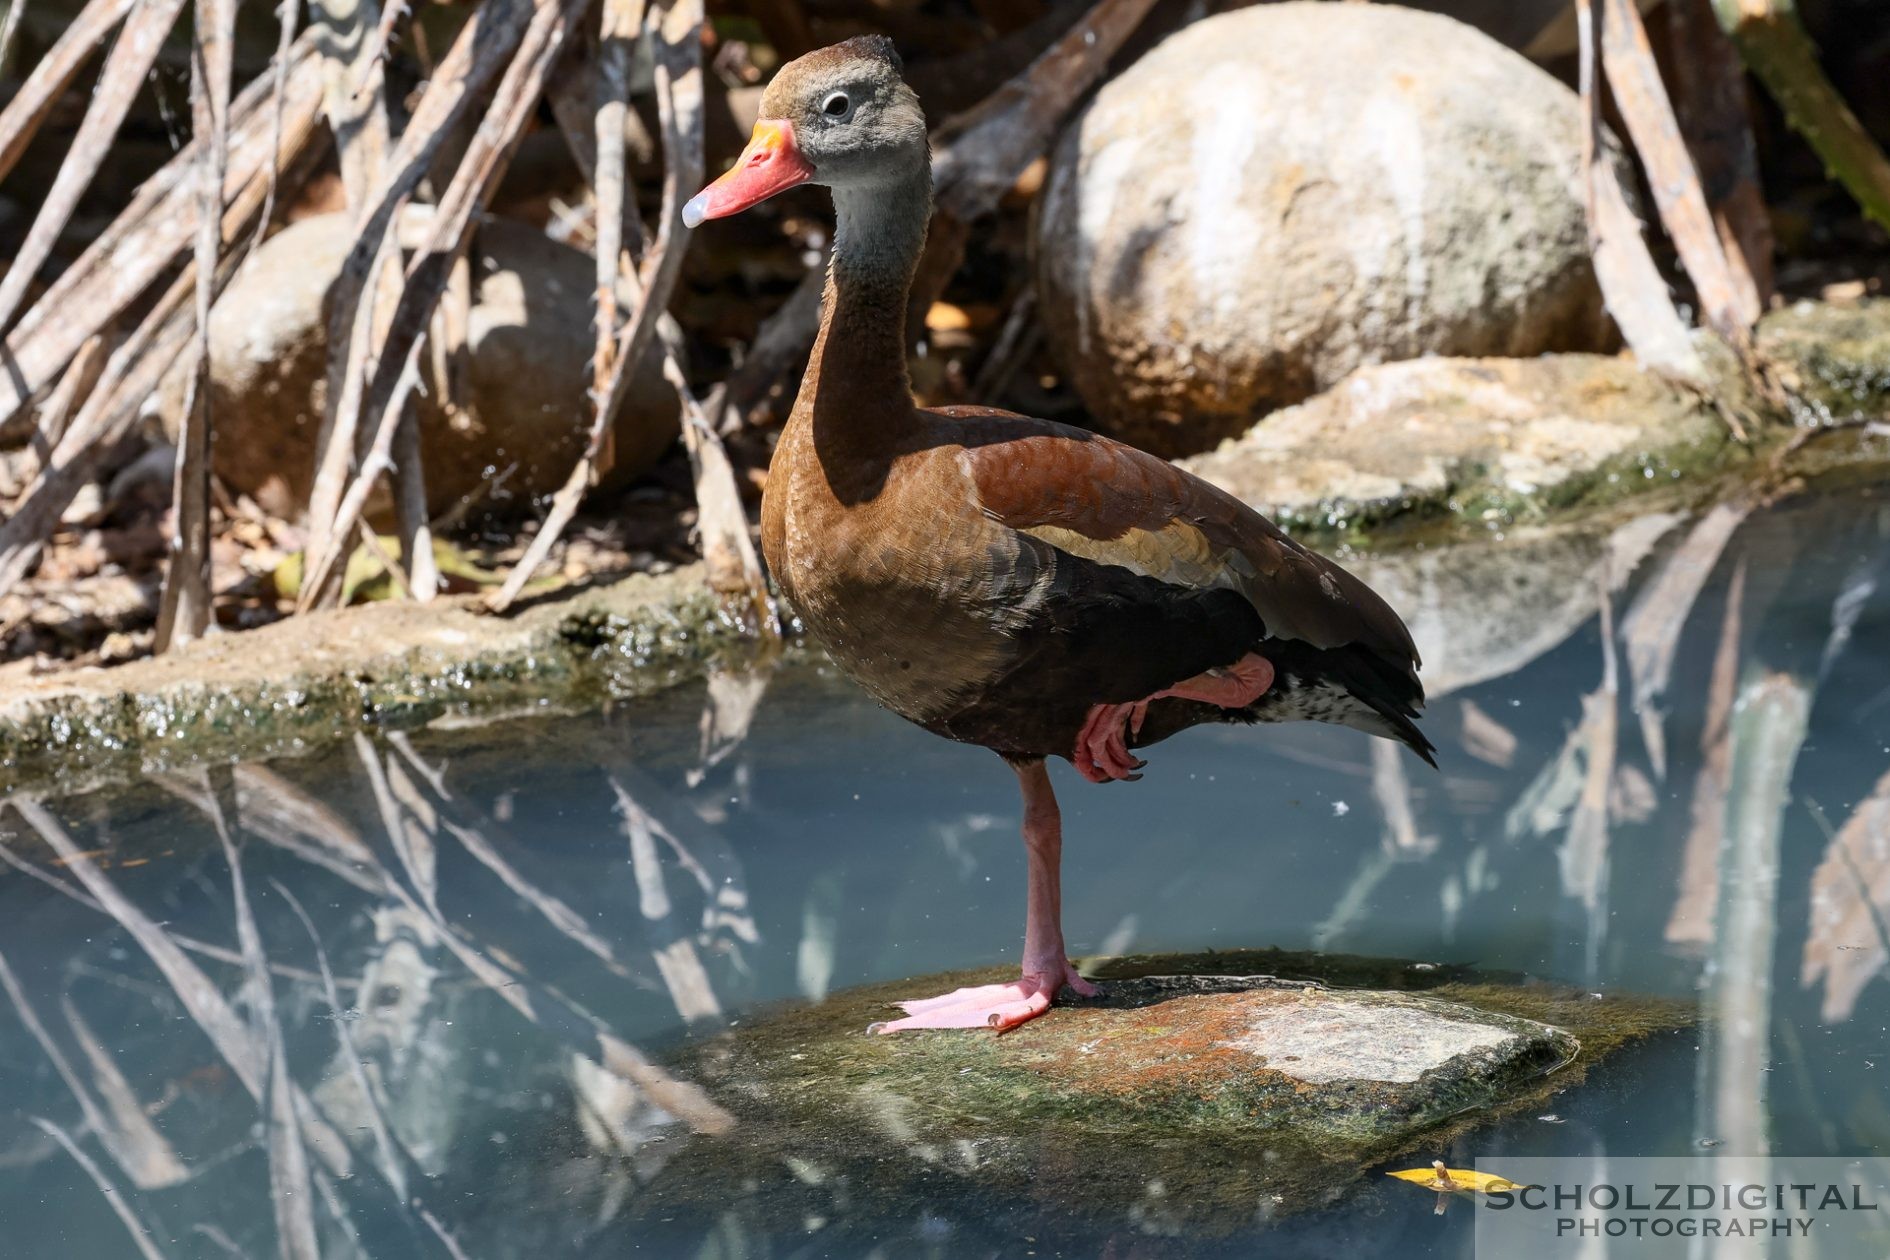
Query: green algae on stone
1834, 360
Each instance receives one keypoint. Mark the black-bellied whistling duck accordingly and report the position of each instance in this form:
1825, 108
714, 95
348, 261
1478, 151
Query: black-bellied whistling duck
1027, 586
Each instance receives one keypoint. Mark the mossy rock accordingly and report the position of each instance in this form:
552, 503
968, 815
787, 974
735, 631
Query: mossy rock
1469, 443
1226, 1091
1835, 360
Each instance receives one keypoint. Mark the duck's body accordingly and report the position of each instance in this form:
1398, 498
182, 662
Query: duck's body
994, 578
1025, 586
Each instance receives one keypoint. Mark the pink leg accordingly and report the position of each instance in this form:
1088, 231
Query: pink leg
1046, 965
1102, 749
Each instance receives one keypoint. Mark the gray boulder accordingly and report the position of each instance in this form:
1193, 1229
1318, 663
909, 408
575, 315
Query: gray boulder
520, 401
1276, 196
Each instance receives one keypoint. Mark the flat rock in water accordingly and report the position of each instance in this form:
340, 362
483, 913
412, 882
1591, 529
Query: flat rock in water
1250, 1055
1224, 1090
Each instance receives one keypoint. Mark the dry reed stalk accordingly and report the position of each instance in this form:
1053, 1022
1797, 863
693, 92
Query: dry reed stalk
397, 367
482, 48
1729, 301
1774, 46
1631, 285
48, 80
185, 606
131, 374
126, 65
1710, 98
150, 236
353, 93
622, 22
674, 32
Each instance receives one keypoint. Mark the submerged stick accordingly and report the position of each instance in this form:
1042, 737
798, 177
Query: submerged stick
551, 1010
121, 1207
1850, 904
154, 1162
1696, 903
202, 1000
202, 949
126, 1133
470, 826
290, 1189
393, 1164
1651, 630
1769, 724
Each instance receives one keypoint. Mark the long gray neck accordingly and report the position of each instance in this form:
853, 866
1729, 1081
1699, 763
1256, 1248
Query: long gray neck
858, 370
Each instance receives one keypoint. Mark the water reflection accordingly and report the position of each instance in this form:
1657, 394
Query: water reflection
420, 994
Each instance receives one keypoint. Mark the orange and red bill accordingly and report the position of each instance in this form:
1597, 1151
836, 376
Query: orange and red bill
772, 163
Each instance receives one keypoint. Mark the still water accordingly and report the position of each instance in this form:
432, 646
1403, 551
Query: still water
1664, 771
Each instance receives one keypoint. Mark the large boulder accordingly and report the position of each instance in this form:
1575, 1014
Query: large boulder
1278, 195
521, 401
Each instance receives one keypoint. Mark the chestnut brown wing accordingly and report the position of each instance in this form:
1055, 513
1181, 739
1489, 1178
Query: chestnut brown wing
1111, 503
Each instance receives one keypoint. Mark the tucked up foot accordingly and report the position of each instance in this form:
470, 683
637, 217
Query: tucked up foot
1102, 746
999, 1006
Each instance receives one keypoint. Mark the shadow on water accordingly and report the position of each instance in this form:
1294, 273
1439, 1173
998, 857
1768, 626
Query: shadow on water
428, 994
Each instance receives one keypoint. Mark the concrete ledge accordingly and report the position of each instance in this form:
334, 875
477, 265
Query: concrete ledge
306, 680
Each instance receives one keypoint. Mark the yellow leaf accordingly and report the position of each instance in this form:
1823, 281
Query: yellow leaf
944, 317
1438, 1177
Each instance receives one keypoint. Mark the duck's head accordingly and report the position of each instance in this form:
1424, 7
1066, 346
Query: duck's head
840, 116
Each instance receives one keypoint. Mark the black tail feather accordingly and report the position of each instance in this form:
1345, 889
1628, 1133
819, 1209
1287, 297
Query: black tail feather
1351, 686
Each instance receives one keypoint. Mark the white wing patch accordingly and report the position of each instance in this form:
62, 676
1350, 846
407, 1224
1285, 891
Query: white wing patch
1177, 553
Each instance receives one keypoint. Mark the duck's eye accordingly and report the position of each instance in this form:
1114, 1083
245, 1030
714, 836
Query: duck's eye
836, 105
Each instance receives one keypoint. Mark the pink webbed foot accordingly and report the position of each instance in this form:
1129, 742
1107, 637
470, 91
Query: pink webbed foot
1102, 746
999, 1006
